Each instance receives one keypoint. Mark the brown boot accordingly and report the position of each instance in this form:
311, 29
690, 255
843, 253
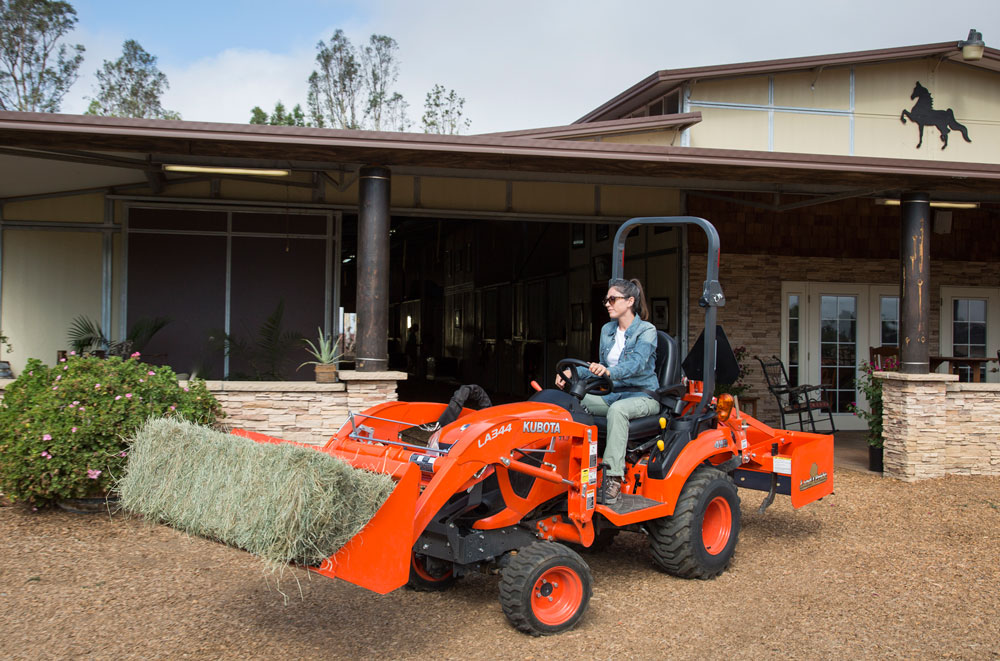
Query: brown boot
612, 489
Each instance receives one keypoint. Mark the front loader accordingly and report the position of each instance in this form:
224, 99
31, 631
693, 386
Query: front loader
514, 489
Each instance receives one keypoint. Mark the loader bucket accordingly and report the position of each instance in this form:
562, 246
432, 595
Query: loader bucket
378, 557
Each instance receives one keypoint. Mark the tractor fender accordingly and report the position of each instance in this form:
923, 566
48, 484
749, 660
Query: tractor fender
708, 444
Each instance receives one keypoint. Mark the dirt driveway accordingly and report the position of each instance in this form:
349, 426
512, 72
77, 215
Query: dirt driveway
879, 569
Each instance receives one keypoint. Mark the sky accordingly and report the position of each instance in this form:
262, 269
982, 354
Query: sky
519, 64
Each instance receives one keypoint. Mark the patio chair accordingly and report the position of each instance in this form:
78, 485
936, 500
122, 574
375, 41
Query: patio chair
877, 356
794, 400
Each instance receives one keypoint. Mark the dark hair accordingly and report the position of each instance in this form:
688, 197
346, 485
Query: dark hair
632, 289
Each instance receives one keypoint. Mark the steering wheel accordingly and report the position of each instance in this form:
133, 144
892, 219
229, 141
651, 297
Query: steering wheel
579, 386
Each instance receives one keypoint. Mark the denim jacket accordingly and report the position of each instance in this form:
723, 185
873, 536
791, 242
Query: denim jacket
636, 366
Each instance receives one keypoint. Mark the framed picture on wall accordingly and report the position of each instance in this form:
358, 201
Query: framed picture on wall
579, 235
660, 312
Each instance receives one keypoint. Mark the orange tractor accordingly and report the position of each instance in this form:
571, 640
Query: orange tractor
512, 489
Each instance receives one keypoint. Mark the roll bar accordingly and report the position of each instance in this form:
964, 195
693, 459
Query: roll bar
711, 295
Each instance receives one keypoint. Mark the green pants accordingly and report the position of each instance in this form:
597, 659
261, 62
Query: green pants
618, 415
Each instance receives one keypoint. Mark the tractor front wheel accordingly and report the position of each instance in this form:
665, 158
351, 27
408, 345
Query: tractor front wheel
699, 539
429, 575
545, 589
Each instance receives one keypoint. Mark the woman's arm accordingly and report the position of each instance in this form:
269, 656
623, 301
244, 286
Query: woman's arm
636, 360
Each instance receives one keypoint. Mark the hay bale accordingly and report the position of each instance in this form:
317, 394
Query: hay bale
282, 503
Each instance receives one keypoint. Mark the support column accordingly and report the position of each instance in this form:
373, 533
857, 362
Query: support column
372, 347
914, 289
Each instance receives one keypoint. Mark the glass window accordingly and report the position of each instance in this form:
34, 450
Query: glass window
969, 333
793, 339
838, 349
889, 321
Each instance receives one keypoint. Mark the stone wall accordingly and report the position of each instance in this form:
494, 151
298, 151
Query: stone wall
300, 410
934, 426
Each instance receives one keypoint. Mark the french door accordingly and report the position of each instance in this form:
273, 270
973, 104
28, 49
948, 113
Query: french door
827, 329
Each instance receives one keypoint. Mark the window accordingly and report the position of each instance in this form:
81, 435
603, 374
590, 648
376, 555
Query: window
838, 349
889, 321
969, 332
793, 339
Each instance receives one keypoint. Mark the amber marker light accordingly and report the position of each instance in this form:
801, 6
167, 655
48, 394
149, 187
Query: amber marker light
724, 407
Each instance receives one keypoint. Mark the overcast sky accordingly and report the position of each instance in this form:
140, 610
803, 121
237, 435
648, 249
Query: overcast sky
519, 64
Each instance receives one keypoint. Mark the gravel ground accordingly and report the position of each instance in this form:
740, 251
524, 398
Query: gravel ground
879, 569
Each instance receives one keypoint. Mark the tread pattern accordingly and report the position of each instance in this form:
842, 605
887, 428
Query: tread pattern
672, 538
518, 578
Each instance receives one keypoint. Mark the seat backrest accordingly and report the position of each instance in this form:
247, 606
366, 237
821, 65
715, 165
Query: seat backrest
777, 380
668, 359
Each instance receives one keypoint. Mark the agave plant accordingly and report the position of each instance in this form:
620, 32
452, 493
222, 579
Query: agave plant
324, 351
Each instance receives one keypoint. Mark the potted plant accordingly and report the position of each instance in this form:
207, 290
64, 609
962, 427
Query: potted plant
326, 354
871, 388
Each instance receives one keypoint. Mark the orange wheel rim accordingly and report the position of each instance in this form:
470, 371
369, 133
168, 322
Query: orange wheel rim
421, 570
717, 525
556, 596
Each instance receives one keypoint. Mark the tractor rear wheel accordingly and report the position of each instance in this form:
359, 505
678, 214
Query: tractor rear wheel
429, 575
545, 589
699, 539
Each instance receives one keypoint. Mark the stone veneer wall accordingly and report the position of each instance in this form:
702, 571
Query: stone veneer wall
934, 426
752, 285
302, 411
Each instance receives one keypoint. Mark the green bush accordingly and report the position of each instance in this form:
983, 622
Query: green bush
871, 388
63, 429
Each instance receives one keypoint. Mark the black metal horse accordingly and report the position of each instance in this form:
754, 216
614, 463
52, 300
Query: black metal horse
923, 114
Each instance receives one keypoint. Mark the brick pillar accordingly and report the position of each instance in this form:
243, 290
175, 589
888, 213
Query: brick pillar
914, 424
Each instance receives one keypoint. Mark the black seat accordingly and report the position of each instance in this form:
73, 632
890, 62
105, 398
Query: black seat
668, 372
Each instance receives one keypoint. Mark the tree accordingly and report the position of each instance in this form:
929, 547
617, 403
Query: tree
36, 71
131, 86
443, 112
352, 89
280, 116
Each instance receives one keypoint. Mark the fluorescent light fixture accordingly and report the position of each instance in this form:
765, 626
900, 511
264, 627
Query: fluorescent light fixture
891, 202
207, 169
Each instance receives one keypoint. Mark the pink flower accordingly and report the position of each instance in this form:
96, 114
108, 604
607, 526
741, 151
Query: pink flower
65, 368
173, 408
142, 380
55, 387
75, 402
47, 437
151, 373
73, 430
62, 360
123, 454
117, 397
45, 453
96, 386
128, 395
93, 474
186, 390
82, 409
135, 355
59, 378
72, 353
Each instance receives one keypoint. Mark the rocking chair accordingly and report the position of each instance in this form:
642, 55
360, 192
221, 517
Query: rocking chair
794, 400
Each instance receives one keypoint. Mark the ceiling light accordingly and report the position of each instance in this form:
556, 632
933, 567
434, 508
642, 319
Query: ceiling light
892, 202
206, 169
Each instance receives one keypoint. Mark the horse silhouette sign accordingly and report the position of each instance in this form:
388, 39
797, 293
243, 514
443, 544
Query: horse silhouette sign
923, 114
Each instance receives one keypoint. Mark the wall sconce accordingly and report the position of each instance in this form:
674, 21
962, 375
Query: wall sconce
972, 48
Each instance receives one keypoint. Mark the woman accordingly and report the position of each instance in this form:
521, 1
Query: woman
628, 357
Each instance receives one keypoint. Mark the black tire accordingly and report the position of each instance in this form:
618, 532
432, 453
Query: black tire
428, 575
683, 544
545, 589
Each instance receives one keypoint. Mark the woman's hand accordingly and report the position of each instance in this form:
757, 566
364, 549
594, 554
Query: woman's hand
560, 382
598, 369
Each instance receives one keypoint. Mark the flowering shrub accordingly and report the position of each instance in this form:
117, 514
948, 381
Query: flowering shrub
63, 428
739, 387
871, 388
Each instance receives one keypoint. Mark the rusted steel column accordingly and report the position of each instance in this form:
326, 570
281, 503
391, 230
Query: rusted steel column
373, 270
914, 290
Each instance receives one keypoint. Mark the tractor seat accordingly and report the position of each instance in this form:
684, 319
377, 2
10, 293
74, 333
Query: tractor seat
668, 372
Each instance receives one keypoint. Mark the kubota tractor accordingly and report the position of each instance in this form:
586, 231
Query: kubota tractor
512, 489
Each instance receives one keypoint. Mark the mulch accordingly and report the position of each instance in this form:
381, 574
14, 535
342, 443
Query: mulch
880, 569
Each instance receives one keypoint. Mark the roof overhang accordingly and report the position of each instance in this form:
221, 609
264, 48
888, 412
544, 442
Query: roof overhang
143, 145
663, 82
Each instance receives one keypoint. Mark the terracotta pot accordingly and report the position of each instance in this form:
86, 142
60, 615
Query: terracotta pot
326, 374
874, 459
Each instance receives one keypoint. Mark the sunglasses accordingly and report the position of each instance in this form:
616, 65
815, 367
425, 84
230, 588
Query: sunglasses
613, 299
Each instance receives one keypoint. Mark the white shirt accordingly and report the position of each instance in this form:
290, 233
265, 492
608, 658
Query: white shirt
616, 351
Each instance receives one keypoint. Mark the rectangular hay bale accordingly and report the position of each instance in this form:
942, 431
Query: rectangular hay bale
283, 503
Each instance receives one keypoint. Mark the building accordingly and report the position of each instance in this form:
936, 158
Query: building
497, 245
